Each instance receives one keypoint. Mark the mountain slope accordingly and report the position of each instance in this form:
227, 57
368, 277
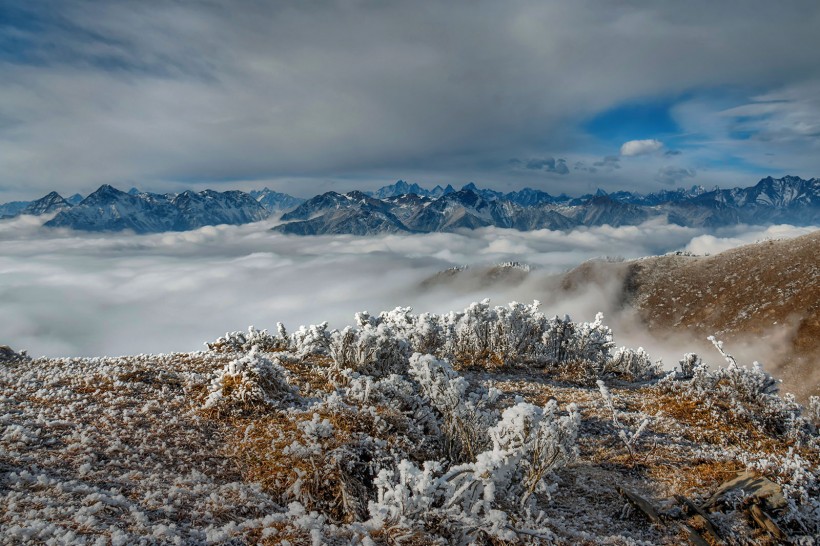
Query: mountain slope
767, 292
276, 201
786, 200
49, 204
109, 209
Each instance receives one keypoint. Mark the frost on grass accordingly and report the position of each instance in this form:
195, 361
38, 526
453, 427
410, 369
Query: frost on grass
491, 425
249, 382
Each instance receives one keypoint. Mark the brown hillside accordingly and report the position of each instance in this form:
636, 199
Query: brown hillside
763, 294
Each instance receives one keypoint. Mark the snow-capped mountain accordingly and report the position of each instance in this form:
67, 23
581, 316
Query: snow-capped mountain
49, 204
275, 201
109, 209
75, 199
403, 207
354, 213
12, 209
403, 188
785, 200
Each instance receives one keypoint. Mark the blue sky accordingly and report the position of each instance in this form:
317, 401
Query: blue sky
304, 97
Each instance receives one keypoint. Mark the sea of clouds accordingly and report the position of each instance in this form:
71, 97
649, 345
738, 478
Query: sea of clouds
65, 293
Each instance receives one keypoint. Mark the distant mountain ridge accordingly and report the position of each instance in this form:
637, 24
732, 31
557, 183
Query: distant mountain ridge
785, 200
109, 209
409, 208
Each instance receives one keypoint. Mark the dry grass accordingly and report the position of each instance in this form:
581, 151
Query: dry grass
762, 299
312, 374
333, 473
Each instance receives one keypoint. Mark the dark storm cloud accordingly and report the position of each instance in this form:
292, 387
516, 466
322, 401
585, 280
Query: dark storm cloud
145, 92
606, 164
546, 164
672, 175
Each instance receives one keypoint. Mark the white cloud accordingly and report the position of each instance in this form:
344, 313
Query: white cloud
712, 244
94, 294
640, 147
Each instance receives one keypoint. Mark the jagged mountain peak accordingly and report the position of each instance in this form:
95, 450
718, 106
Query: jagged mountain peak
48, 204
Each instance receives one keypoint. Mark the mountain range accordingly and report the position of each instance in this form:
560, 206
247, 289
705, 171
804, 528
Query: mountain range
785, 200
409, 208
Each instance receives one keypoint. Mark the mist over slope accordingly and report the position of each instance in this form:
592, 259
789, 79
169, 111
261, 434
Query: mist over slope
762, 298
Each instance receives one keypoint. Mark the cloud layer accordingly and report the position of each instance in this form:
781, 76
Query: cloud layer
94, 294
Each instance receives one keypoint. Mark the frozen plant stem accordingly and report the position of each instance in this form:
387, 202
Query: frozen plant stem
629, 439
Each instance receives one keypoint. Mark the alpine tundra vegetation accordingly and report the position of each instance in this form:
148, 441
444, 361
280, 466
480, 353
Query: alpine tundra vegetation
491, 425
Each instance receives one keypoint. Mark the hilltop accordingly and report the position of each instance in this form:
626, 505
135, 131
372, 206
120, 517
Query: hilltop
486, 426
767, 292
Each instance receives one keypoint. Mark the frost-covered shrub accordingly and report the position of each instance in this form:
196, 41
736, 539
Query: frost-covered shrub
481, 335
741, 393
467, 411
800, 482
249, 382
688, 364
813, 410
491, 495
419, 422
324, 457
513, 335
373, 350
311, 339
592, 341
631, 365
517, 338
538, 442
577, 352
628, 437
242, 342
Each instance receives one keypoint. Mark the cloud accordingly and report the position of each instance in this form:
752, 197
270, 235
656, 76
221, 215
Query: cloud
640, 147
151, 93
547, 164
66, 293
714, 244
786, 116
607, 164
672, 175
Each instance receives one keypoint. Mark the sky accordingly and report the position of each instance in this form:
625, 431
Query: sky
305, 97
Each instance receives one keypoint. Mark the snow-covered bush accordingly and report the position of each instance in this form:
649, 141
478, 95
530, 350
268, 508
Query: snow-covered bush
537, 442
490, 495
481, 335
373, 350
688, 364
813, 410
799, 480
311, 339
467, 411
411, 412
741, 393
631, 365
249, 382
242, 342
